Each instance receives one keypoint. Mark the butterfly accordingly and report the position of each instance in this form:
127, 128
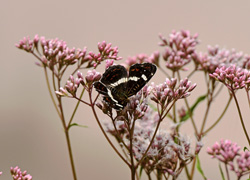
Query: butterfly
117, 85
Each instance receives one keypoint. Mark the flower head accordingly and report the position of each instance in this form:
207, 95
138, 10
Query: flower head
106, 51
224, 151
179, 50
233, 77
17, 174
216, 58
229, 153
167, 92
92, 76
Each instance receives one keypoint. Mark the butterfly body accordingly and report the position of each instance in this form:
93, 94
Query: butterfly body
117, 85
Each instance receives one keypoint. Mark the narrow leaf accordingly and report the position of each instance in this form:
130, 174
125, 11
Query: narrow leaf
75, 124
246, 149
192, 108
140, 173
221, 172
198, 166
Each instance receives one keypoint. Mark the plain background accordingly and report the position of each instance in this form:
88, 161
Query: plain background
31, 135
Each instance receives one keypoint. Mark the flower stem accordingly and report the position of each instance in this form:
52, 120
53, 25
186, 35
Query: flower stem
164, 72
92, 105
191, 116
193, 168
77, 104
228, 177
50, 92
189, 110
60, 114
66, 130
206, 115
155, 132
248, 98
218, 120
241, 118
70, 154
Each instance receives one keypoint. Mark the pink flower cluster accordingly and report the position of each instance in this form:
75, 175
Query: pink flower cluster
167, 92
216, 57
165, 154
180, 48
233, 77
17, 174
141, 58
56, 52
105, 52
73, 83
229, 153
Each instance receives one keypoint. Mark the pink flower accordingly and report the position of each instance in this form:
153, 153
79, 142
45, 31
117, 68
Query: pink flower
17, 174
180, 48
233, 77
229, 153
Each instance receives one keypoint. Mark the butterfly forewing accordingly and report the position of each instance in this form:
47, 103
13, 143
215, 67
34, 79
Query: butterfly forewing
139, 75
114, 76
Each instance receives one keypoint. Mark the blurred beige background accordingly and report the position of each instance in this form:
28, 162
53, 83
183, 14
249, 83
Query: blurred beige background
31, 135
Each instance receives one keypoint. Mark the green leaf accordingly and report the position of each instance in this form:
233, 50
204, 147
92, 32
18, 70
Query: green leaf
198, 166
75, 124
192, 108
221, 172
245, 149
140, 173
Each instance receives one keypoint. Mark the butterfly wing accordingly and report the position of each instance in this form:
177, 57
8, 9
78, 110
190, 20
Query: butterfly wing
114, 76
99, 87
113, 86
139, 75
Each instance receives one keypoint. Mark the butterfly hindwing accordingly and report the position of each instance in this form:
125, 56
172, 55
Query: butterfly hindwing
101, 88
116, 105
139, 75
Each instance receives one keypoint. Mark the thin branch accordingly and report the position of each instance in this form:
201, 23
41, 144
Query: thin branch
156, 129
164, 72
76, 107
248, 98
103, 131
80, 100
218, 120
50, 92
241, 118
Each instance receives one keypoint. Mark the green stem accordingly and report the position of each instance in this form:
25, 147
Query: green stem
66, 130
192, 73
189, 110
187, 173
164, 72
103, 131
206, 115
228, 177
70, 154
131, 135
77, 104
218, 120
191, 116
50, 92
241, 118
248, 98
193, 168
